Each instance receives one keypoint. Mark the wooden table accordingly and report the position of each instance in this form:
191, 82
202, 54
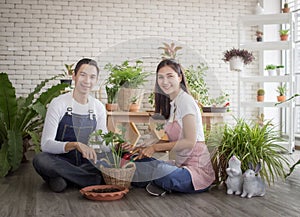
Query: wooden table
113, 118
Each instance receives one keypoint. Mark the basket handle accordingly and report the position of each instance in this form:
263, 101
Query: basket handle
104, 160
129, 165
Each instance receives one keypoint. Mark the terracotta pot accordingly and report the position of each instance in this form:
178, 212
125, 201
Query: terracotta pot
281, 98
285, 10
111, 107
134, 107
260, 98
90, 192
284, 37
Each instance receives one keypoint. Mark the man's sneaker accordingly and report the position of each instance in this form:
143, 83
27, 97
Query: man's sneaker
57, 184
155, 190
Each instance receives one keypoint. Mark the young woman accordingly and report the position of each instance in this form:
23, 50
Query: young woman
191, 170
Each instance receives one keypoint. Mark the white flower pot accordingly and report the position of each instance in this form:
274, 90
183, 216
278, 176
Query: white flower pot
272, 72
236, 64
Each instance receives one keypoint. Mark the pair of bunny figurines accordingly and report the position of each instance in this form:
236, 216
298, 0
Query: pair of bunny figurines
248, 184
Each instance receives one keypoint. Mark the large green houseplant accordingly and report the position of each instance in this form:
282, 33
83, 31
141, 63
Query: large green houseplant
21, 118
128, 78
250, 142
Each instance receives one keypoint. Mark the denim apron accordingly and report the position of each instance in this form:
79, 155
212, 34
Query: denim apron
75, 128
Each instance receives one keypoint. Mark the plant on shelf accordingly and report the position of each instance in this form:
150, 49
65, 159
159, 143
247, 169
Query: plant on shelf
111, 92
128, 78
68, 72
280, 69
22, 120
271, 69
170, 50
284, 34
260, 95
285, 8
134, 106
259, 35
237, 58
250, 142
281, 89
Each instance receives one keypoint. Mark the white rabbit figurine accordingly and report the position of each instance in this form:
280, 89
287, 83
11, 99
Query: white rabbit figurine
234, 181
253, 183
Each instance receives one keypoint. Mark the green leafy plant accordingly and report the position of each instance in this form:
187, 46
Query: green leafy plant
69, 69
260, 92
284, 31
250, 142
170, 50
270, 67
246, 56
113, 141
111, 91
281, 89
21, 118
134, 99
151, 99
280, 67
125, 75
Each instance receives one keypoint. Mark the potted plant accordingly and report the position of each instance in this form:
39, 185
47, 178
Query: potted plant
170, 50
68, 72
286, 8
284, 34
260, 95
237, 58
111, 92
251, 143
280, 70
281, 89
271, 69
134, 106
129, 78
259, 35
22, 120
115, 168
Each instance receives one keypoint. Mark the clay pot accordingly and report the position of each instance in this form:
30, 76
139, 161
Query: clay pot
134, 107
260, 98
285, 10
284, 37
111, 107
281, 98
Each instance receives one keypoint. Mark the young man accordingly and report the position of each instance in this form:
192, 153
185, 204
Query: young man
70, 119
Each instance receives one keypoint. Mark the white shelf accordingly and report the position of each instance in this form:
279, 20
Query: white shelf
282, 78
270, 45
265, 19
256, 104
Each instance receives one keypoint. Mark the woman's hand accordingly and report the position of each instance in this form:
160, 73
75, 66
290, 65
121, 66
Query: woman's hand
146, 152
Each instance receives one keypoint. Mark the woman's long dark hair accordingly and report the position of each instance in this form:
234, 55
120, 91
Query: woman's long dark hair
162, 101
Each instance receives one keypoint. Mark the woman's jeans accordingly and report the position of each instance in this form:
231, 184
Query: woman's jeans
164, 175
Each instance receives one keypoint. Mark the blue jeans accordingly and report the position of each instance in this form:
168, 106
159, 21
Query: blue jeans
70, 166
164, 175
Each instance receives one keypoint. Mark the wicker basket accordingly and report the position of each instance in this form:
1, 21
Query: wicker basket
119, 176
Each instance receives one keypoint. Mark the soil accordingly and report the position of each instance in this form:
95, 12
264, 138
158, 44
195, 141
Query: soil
106, 190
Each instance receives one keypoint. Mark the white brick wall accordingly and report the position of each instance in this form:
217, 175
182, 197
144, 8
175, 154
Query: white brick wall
38, 37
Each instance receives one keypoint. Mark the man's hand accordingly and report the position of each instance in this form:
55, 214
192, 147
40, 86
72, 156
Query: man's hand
86, 151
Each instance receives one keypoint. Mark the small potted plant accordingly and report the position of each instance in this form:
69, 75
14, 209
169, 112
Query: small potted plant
115, 169
111, 92
259, 35
237, 58
260, 95
271, 69
68, 72
281, 89
284, 34
286, 8
280, 69
134, 106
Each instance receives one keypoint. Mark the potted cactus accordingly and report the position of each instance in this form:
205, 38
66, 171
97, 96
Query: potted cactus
260, 95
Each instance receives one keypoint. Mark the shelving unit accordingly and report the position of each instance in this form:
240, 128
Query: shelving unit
247, 24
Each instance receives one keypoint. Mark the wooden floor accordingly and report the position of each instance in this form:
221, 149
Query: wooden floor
23, 193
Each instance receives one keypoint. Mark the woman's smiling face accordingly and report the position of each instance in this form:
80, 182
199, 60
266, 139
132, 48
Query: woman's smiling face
169, 81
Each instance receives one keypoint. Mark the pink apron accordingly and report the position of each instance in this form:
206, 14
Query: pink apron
196, 161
